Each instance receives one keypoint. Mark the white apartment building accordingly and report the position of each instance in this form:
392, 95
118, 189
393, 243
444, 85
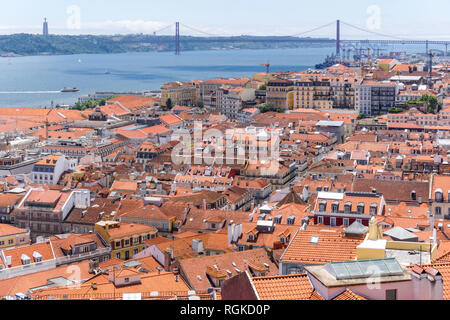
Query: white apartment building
50, 169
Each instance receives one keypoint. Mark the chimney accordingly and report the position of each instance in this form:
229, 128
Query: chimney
204, 204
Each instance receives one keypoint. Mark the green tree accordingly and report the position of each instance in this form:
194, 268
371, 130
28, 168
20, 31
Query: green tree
262, 87
200, 104
169, 104
268, 108
395, 110
432, 103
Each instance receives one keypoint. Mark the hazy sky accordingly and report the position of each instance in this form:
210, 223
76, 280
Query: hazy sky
419, 19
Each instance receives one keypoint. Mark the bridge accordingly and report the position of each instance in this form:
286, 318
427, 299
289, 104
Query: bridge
342, 46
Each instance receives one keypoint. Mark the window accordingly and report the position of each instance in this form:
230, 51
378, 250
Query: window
391, 294
322, 206
373, 209
320, 220
333, 221
118, 255
361, 208
348, 207
335, 207
438, 196
127, 280
346, 222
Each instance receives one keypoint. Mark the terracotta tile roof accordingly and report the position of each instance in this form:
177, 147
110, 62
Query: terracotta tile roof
133, 102
49, 160
7, 229
164, 283
197, 198
394, 190
443, 252
22, 284
267, 240
170, 119
194, 269
293, 287
128, 229
130, 186
196, 218
72, 240
405, 211
91, 214
443, 183
349, 295
290, 287
45, 249
8, 199
147, 212
331, 246
114, 110
43, 196
155, 130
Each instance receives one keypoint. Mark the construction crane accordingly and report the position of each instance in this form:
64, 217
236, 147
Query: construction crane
46, 123
267, 65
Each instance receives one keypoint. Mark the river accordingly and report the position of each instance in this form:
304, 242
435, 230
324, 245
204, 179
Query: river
36, 81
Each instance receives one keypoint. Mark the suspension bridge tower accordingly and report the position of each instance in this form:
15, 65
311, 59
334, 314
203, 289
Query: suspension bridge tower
177, 38
338, 38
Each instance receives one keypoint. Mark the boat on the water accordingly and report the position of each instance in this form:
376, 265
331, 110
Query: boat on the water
70, 90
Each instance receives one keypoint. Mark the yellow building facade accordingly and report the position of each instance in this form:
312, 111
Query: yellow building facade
180, 93
125, 239
279, 94
11, 236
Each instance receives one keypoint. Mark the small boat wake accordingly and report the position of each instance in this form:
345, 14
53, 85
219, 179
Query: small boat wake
27, 92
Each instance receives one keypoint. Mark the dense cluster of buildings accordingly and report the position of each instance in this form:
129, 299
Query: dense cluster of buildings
101, 204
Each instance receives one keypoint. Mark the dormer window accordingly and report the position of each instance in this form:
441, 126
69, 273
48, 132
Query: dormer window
37, 256
373, 209
348, 207
277, 219
25, 259
284, 239
361, 208
291, 220
335, 207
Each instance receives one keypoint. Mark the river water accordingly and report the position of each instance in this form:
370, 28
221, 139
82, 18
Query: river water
36, 81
